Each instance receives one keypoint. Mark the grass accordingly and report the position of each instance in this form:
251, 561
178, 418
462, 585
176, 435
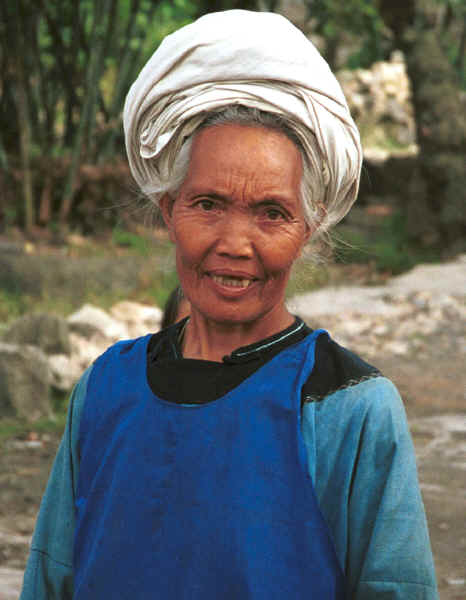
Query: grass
387, 247
12, 306
123, 266
306, 277
20, 428
130, 240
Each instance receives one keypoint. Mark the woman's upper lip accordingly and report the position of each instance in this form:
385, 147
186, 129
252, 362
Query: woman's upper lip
231, 273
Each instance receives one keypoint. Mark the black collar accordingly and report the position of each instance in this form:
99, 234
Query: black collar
169, 346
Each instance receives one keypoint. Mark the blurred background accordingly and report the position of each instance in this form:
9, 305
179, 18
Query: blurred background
83, 261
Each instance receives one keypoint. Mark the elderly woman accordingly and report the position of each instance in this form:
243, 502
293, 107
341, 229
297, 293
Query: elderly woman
236, 454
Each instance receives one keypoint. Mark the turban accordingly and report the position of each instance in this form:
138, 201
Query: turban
254, 59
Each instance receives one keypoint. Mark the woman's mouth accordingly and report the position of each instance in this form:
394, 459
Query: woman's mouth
232, 281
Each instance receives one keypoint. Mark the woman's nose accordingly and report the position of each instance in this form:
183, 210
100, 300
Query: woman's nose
235, 237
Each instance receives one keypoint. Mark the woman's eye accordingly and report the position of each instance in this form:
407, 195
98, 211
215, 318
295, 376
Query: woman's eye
274, 214
206, 205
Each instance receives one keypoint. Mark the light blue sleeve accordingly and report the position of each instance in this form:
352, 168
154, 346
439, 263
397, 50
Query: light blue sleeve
366, 482
49, 573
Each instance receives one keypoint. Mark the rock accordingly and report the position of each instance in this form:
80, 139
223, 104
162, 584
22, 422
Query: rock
90, 320
400, 318
354, 327
380, 101
65, 370
48, 332
138, 318
24, 382
11, 582
86, 350
432, 278
349, 299
396, 347
381, 329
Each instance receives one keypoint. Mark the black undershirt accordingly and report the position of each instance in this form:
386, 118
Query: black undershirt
191, 381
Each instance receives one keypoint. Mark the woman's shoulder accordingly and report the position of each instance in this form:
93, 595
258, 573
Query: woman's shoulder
335, 368
342, 380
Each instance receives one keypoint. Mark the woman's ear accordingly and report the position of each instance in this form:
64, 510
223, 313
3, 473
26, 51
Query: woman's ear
308, 232
166, 208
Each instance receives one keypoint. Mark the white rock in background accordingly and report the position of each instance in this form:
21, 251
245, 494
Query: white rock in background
89, 320
349, 299
65, 370
380, 101
93, 330
138, 318
11, 582
355, 327
432, 278
396, 347
381, 329
86, 350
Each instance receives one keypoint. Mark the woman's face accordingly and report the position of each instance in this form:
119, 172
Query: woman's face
237, 222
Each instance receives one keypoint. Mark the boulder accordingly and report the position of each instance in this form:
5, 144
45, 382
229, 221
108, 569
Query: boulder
24, 382
138, 318
433, 278
90, 320
346, 300
46, 331
65, 370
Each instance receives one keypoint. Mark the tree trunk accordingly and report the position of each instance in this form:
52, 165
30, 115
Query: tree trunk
436, 191
24, 123
88, 113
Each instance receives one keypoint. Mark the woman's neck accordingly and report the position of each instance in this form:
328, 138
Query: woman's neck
208, 340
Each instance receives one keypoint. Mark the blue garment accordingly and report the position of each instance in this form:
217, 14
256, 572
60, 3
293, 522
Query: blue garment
225, 507
360, 458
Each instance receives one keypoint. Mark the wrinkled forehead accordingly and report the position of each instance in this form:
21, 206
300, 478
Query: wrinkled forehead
242, 162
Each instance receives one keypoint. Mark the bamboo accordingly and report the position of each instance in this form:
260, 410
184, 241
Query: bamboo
88, 112
24, 125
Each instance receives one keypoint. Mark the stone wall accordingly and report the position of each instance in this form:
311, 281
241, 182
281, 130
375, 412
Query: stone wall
39, 352
380, 102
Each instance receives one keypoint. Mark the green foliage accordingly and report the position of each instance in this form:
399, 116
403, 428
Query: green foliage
65, 68
131, 266
121, 237
306, 277
11, 306
389, 246
162, 285
18, 428
358, 19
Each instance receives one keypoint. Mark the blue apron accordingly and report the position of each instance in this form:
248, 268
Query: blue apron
210, 501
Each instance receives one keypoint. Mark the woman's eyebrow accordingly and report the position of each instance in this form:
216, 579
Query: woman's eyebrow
196, 192
278, 198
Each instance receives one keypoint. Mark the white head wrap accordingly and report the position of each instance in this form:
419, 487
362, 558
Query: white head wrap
254, 59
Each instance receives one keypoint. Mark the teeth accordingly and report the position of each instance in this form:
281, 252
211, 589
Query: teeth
231, 281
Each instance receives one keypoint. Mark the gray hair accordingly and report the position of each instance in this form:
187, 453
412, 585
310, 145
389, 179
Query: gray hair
314, 179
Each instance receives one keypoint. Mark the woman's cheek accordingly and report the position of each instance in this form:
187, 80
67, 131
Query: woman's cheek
281, 253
